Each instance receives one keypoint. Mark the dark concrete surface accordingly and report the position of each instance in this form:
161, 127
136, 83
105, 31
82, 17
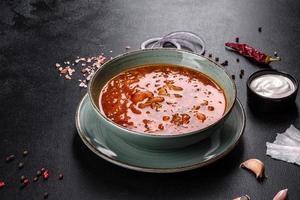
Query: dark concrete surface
37, 107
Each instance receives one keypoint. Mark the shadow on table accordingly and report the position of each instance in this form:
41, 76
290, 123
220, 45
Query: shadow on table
98, 172
288, 114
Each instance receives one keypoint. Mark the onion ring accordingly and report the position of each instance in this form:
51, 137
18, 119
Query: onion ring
155, 42
188, 40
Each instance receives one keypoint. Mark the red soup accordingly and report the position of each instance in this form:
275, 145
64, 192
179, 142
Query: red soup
162, 100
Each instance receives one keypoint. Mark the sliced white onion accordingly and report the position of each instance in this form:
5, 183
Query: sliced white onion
181, 40
188, 41
155, 43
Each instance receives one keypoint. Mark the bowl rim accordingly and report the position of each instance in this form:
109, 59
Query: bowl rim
272, 71
153, 135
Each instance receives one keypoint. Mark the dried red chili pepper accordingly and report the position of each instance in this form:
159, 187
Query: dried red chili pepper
2, 184
250, 52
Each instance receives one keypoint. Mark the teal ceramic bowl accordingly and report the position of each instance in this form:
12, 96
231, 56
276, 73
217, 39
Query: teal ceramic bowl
160, 56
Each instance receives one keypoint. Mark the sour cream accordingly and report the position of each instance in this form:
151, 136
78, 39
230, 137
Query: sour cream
272, 86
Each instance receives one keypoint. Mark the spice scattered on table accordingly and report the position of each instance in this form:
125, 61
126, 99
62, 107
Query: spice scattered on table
10, 158
24, 183
87, 66
60, 176
281, 195
210, 55
225, 63
237, 40
250, 52
45, 174
233, 77
275, 54
25, 153
260, 29
286, 146
217, 59
22, 178
2, 184
237, 60
242, 72
20, 165
46, 195
255, 166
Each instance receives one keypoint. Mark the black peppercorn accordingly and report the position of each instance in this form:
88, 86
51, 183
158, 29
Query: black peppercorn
46, 195
25, 153
61, 176
22, 178
225, 63
20, 165
10, 158
237, 40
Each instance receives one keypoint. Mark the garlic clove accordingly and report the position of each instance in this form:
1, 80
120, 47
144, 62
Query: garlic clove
281, 195
245, 197
255, 166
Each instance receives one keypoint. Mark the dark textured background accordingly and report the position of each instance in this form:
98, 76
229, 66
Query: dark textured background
37, 107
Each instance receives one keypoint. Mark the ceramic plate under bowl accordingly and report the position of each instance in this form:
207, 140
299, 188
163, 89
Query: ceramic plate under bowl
117, 151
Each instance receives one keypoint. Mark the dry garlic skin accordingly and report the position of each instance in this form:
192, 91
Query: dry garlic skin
162, 100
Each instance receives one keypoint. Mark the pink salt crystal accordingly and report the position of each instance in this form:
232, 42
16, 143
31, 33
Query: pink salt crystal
64, 71
57, 65
68, 77
79, 59
82, 85
70, 71
89, 77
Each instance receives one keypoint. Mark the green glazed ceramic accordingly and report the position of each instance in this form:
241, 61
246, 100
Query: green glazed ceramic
159, 56
116, 150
